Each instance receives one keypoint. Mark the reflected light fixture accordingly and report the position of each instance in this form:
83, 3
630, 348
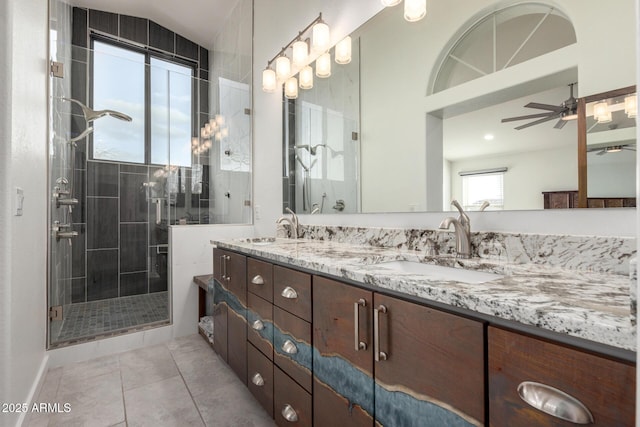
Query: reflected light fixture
299, 53
415, 10
306, 77
601, 112
343, 51
291, 88
489, 137
323, 65
389, 3
631, 106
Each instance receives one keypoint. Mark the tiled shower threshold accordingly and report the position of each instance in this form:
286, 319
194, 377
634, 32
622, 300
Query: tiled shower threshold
93, 320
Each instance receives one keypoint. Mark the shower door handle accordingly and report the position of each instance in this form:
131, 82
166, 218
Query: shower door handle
158, 211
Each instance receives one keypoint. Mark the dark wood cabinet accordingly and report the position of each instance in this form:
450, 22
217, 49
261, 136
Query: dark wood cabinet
605, 387
429, 365
432, 356
343, 376
260, 279
260, 372
292, 291
260, 324
569, 199
292, 403
230, 310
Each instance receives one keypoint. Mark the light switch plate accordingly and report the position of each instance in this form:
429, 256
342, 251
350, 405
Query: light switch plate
19, 200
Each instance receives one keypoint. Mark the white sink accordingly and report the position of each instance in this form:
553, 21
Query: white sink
438, 272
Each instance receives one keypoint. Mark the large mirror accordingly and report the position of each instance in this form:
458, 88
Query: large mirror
478, 103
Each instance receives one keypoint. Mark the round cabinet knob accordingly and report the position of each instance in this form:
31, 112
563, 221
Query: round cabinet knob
257, 379
257, 280
289, 413
257, 325
289, 347
289, 293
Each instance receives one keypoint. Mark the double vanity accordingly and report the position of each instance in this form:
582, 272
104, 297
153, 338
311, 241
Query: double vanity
354, 326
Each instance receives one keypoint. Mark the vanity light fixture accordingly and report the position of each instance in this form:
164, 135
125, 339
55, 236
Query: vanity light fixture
299, 53
285, 68
601, 112
631, 106
414, 10
343, 51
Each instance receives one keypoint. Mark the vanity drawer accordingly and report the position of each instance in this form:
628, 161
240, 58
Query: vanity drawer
260, 324
260, 370
292, 291
292, 346
260, 278
291, 401
604, 386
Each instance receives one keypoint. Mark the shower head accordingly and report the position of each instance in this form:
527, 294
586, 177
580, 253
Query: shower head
91, 115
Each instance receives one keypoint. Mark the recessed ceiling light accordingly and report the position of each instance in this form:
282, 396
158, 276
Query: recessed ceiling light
488, 137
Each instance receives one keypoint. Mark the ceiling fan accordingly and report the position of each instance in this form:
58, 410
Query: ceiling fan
612, 149
563, 112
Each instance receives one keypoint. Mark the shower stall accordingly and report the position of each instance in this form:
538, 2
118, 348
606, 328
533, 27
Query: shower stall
142, 137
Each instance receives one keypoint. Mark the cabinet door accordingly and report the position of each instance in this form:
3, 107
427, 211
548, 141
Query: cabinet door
220, 330
432, 370
605, 387
260, 324
343, 376
292, 346
237, 276
237, 344
260, 384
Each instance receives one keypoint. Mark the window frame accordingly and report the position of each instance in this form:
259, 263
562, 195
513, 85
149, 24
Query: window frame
468, 176
148, 54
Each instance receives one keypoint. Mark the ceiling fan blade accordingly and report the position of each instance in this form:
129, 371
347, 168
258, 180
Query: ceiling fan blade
601, 152
530, 116
546, 119
560, 124
549, 107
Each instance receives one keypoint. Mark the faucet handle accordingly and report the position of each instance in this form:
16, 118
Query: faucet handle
464, 218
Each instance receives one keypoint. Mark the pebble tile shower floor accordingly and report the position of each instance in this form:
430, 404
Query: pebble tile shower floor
180, 383
88, 319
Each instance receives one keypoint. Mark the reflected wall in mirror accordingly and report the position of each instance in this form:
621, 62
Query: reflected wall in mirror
433, 95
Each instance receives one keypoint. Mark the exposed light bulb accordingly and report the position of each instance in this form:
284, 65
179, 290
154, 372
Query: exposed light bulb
291, 88
321, 37
283, 67
300, 53
343, 51
269, 81
323, 65
306, 77
415, 10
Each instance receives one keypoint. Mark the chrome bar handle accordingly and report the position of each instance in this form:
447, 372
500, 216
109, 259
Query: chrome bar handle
289, 413
358, 345
377, 354
223, 267
257, 280
227, 277
554, 402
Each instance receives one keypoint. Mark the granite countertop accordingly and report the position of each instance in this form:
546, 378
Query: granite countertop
592, 306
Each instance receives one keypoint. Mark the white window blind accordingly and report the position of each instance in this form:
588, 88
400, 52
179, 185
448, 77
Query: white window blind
476, 188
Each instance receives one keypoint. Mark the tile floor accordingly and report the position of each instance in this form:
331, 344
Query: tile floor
87, 319
180, 383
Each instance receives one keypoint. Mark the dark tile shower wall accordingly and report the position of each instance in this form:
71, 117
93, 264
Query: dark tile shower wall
121, 248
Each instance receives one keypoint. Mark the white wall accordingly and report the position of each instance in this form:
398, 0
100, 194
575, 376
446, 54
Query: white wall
398, 59
528, 175
24, 164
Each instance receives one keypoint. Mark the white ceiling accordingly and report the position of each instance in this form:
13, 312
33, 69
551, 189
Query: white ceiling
198, 20
464, 134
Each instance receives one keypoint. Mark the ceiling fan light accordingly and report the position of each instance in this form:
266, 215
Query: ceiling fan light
614, 149
569, 115
631, 106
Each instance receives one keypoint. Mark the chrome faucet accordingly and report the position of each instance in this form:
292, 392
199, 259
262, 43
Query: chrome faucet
293, 222
462, 227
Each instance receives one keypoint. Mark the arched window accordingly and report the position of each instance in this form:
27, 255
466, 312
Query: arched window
502, 39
